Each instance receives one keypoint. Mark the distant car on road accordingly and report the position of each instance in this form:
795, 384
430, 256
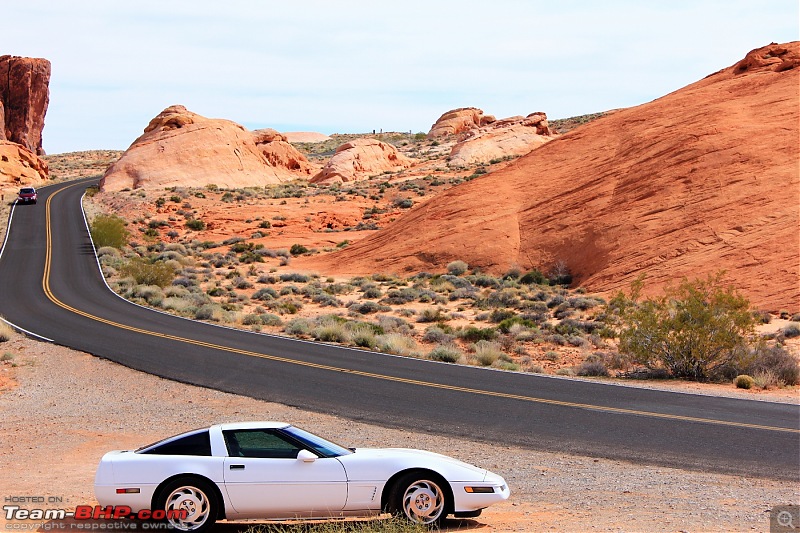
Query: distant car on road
273, 470
27, 195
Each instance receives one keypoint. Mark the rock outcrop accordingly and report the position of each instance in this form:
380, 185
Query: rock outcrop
704, 179
24, 97
181, 148
19, 166
360, 159
514, 136
458, 121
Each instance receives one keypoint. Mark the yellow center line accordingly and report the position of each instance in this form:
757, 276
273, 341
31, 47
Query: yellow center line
617, 410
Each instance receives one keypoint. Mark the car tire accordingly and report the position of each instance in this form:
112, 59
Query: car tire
196, 496
421, 498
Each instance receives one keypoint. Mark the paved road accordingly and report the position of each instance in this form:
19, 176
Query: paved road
50, 285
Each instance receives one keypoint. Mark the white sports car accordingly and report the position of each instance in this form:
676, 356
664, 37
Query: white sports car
273, 470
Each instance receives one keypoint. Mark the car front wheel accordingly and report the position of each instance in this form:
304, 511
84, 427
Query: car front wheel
420, 499
190, 504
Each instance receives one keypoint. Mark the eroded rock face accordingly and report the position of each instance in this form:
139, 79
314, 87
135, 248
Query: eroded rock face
513, 136
703, 179
25, 95
181, 148
19, 166
360, 159
458, 121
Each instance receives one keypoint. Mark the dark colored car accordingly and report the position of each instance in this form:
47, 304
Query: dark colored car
27, 195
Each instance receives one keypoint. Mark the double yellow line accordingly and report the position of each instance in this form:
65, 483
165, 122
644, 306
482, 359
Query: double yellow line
49, 293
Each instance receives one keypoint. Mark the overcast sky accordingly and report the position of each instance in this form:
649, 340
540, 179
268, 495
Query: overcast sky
351, 66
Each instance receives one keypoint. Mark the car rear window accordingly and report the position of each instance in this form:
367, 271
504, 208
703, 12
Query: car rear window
194, 444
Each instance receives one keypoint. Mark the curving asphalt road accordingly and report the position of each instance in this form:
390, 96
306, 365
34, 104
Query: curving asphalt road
50, 286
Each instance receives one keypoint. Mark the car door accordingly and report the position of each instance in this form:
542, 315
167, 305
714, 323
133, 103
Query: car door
264, 477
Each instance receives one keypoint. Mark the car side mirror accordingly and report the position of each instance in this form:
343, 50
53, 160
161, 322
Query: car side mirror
306, 456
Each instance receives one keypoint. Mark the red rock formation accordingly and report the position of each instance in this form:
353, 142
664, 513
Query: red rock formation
19, 166
513, 136
702, 179
181, 148
458, 121
360, 159
24, 94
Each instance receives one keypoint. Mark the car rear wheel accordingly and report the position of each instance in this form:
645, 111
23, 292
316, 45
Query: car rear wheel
190, 504
420, 499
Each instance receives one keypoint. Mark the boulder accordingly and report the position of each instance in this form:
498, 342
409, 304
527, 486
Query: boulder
360, 159
513, 136
458, 121
181, 148
24, 95
20, 166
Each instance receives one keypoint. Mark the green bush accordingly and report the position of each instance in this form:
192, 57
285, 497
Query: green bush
147, 273
534, 277
694, 330
743, 381
298, 249
109, 231
447, 353
473, 334
195, 224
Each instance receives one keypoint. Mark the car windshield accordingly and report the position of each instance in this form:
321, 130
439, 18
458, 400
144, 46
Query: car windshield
27, 191
323, 447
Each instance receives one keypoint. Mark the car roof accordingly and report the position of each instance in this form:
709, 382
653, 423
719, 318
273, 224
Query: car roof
252, 425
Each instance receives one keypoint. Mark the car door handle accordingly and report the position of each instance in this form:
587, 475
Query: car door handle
237, 467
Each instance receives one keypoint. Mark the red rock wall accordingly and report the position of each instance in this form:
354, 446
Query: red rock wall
24, 95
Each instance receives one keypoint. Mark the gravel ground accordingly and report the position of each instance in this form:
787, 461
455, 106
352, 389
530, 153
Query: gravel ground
62, 409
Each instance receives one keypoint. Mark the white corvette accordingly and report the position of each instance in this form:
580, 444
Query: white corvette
273, 470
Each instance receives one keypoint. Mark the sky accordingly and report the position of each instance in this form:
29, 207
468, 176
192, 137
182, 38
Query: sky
349, 66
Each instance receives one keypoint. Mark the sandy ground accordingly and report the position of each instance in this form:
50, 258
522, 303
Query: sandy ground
62, 409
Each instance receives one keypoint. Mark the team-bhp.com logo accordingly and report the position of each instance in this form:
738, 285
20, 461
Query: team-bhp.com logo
91, 512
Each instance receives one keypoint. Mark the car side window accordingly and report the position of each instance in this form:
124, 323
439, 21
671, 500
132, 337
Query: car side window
259, 443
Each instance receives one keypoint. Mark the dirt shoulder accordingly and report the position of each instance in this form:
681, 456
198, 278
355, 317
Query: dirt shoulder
62, 410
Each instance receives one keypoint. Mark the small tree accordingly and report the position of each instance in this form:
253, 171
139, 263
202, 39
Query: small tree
693, 330
109, 231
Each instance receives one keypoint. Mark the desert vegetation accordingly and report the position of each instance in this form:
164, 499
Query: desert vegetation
526, 321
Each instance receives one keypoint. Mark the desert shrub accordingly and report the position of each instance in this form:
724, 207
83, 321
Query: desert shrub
447, 353
252, 320
743, 381
108, 251
457, 268
487, 352
209, 312
372, 293
559, 274
486, 281
396, 343
295, 277
431, 315
457, 282
176, 303
775, 360
330, 330
393, 324
298, 249
6, 332
363, 335
436, 334
241, 283
694, 330
267, 279
152, 294
109, 231
368, 307
268, 319
501, 315
592, 367
506, 324
326, 300
146, 273
298, 326
582, 303
195, 224
265, 293
401, 296
534, 277
791, 331
474, 334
